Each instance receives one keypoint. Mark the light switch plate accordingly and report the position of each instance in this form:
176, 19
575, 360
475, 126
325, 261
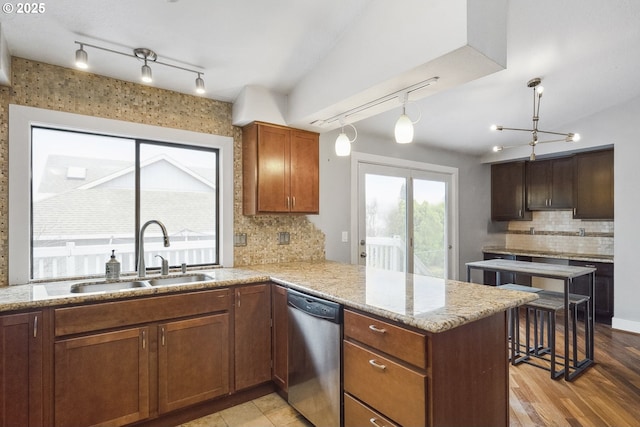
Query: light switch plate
345, 236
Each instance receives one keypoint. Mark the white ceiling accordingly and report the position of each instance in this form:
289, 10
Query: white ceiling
586, 51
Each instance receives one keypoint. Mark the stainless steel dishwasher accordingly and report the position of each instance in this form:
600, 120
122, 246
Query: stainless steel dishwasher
315, 338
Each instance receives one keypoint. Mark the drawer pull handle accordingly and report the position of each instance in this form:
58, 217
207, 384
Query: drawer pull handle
35, 327
374, 421
590, 265
374, 328
376, 365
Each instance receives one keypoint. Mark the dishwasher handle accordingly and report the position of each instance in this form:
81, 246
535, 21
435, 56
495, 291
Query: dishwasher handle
314, 306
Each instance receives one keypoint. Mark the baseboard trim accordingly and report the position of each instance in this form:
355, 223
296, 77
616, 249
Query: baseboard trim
625, 325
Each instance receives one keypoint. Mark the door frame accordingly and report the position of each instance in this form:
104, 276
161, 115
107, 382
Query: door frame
453, 229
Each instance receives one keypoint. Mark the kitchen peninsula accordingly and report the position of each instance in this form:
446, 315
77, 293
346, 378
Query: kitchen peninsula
445, 342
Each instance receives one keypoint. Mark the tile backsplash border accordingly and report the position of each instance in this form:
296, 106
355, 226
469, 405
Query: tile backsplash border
557, 231
41, 85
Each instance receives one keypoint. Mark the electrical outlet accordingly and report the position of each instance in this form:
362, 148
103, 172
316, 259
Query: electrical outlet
240, 239
284, 237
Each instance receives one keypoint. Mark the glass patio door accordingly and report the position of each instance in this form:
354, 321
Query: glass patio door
403, 220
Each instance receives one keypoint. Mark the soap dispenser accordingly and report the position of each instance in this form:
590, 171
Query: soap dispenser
112, 268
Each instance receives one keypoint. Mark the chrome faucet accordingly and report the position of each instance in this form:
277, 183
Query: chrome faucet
142, 270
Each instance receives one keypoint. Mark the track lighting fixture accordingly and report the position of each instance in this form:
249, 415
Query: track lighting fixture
81, 58
343, 143
534, 131
144, 54
404, 125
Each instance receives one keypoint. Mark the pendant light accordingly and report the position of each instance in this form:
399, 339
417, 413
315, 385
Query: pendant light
534, 131
199, 85
404, 125
343, 143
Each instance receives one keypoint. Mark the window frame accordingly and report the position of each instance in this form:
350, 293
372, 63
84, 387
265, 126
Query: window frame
21, 121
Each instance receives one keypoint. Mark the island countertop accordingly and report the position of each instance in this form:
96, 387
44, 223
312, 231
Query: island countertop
426, 303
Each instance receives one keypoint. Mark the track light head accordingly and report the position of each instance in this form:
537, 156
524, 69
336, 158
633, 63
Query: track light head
81, 58
200, 85
146, 73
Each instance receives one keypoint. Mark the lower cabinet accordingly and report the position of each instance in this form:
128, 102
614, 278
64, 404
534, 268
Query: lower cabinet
193, 361
102, 378
603, 288
280, 337
252, 330
394, 375
119, 362
22, 379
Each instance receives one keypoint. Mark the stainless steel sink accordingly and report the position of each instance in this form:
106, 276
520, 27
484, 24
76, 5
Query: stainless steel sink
163, 281
81, 288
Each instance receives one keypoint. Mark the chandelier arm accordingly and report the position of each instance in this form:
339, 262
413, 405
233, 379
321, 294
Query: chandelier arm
553, 133
520, 129
552, 140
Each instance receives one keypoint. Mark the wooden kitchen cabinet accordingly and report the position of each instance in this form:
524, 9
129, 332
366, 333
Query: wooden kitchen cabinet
102, 379
550, 184
22, 372
280, 170
280, 337
123, 361
419, 382
252, 326
193, 361
603, 288
508, 192
593, 185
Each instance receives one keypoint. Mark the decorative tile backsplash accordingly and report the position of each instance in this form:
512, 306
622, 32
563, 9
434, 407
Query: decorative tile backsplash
51, 87
557, 231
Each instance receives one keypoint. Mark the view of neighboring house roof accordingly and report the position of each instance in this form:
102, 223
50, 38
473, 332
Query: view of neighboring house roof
103, 203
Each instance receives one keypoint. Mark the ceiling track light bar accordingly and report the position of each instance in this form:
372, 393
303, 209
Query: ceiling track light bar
145, 55
402, 92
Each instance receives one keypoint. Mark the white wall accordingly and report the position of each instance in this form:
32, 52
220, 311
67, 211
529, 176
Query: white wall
475, 228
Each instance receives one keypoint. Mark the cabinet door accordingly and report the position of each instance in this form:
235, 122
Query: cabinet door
21, 370
538, 180
593, 185
252, 322
193, 361
102, 379
280, 337
508, 192
561, 183
304, 172
274, 145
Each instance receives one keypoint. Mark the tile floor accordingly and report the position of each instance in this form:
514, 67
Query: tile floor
266, 411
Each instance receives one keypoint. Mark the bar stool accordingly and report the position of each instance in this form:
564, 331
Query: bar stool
513, 318
544, 310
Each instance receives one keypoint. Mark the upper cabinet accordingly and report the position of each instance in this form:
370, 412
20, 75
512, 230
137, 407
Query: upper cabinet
593, 185
550, 184
508, 192
280, 170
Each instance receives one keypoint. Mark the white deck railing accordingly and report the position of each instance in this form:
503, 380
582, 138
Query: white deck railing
389, 253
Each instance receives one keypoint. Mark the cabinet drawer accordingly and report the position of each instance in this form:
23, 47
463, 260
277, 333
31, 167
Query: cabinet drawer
394, 390
358, 415
94, 317
399, 342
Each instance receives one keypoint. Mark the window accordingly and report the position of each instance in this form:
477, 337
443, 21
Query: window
82, 186
85, 189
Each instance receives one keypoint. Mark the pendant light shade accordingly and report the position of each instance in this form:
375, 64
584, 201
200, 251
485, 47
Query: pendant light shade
343, 145
404, 130
81, 58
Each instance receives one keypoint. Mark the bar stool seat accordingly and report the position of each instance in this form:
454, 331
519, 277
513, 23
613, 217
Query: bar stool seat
544, 310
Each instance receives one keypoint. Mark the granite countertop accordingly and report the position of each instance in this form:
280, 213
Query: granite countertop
423, 302
549, 254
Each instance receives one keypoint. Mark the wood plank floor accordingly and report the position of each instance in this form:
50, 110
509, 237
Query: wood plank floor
607, 394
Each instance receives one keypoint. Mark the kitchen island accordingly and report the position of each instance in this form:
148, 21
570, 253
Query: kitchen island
456, 331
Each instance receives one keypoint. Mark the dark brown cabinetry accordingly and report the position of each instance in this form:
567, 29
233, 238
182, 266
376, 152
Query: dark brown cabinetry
593, 185
508, 192
550, 184
603, 288
280, 170
252, 323
22, 376
280, 336
120, 362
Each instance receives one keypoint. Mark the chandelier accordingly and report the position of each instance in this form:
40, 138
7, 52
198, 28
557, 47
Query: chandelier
534, 131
